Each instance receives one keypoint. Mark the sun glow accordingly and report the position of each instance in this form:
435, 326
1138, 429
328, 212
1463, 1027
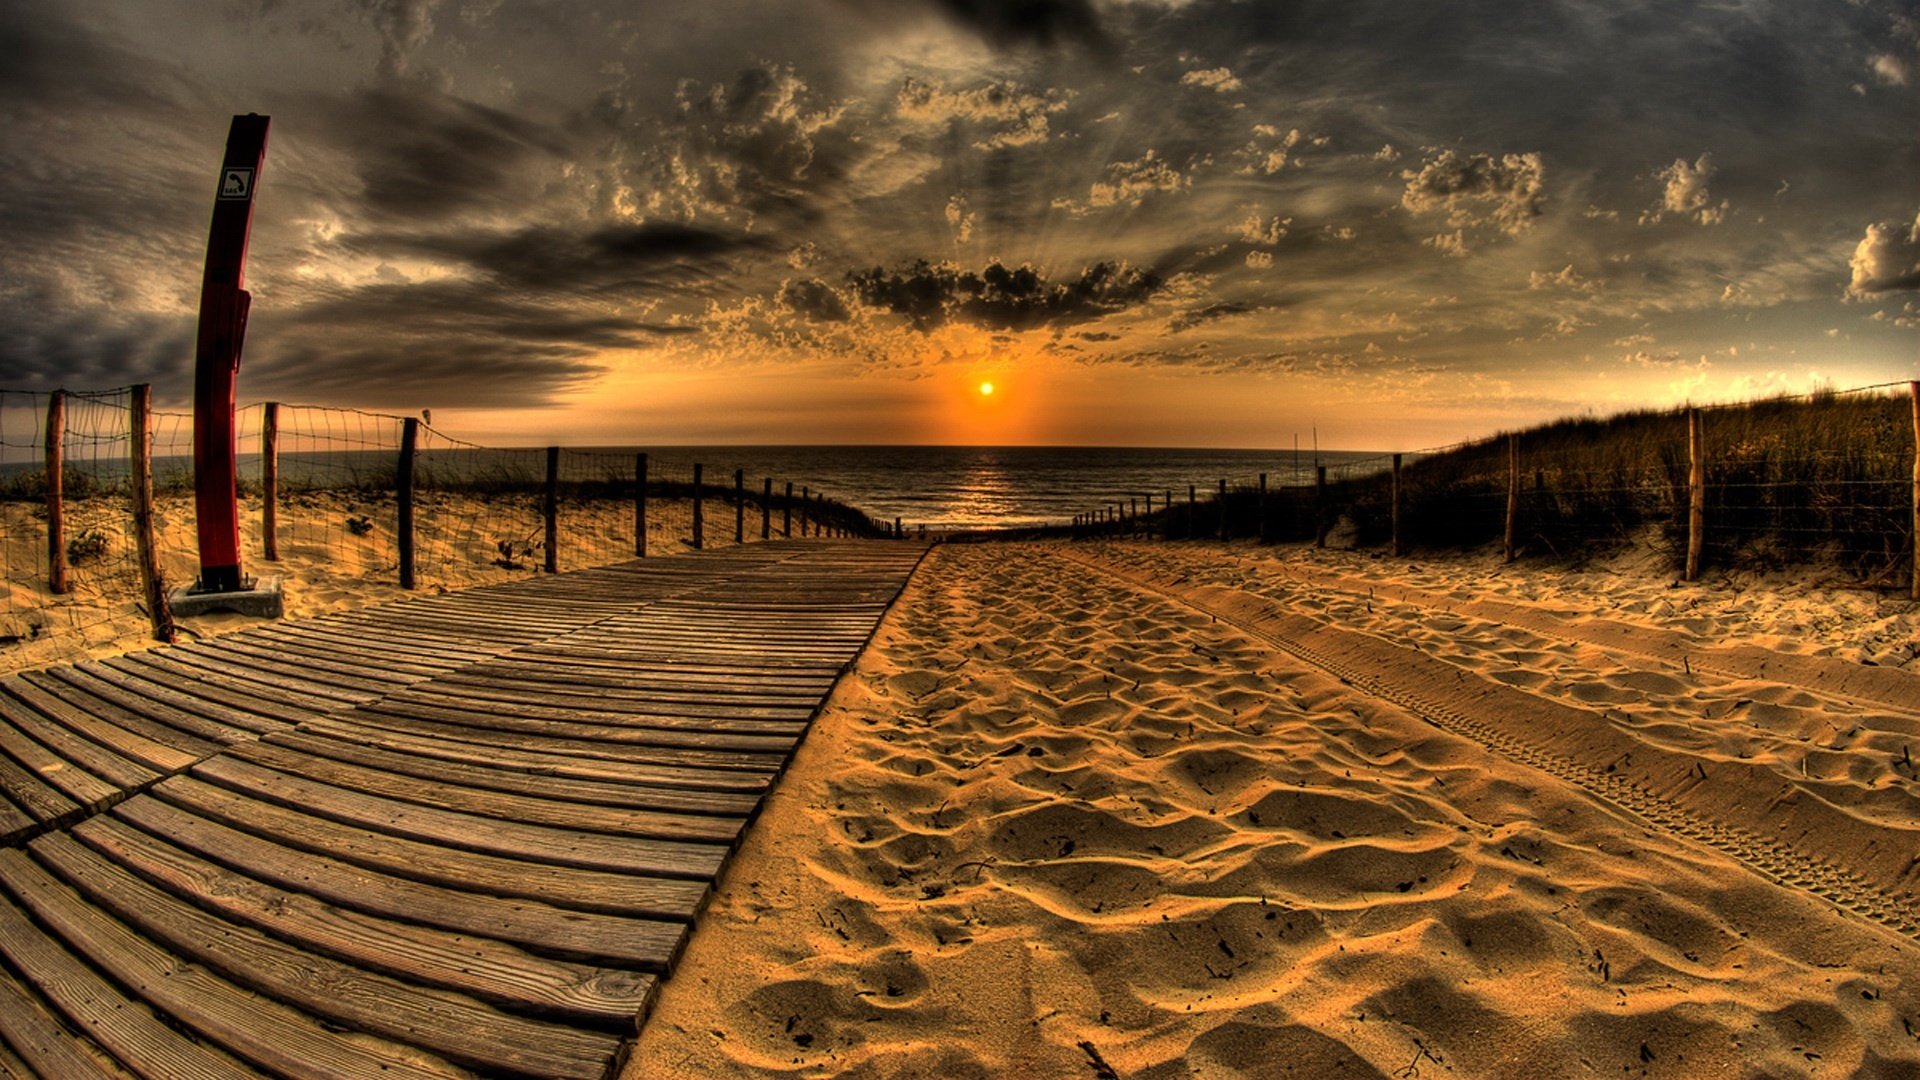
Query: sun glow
986, 389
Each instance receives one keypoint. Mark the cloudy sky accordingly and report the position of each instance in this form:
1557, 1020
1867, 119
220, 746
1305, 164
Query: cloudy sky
1148, 222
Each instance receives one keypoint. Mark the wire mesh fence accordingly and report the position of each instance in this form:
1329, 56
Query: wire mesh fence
348, 502
1827, 477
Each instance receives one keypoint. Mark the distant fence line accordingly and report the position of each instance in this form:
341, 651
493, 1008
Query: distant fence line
1834, 475
96, 506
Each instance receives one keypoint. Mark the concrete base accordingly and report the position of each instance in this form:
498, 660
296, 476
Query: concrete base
265, 600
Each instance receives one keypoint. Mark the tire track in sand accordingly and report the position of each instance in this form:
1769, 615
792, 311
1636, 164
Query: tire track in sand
1671, 791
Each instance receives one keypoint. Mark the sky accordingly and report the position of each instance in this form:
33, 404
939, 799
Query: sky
1385, 224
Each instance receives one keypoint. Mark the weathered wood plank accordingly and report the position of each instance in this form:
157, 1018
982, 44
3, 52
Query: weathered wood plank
573, 913
83, 771
536, 844
111, 711
236, 710
453, 1025
465, 962
566, 767
119, 741
194, 725
124, 1027
493, 804
489, 771
394, 718
264, 1032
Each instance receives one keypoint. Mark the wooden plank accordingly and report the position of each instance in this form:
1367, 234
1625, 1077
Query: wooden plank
270, 1035
489, 771
364, 676
235, 710
283, 674
52, 1048
83, 772
137, 722
565, 767
494, 804
266, 691
90, 684
578, 913
470, 729
103, 732
536, 844
392, 665
453, 1025
14, 818
606, 716
465, 962
625, 683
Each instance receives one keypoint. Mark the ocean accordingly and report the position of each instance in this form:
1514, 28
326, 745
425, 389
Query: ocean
988, 487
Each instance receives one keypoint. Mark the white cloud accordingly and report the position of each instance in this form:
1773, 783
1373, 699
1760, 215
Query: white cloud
1887, 259
1505, 192
1685, 193
960, 219
1130, 182
1566, 278
1221, 79
1263, 231
1018, 115
1267, 152
1259, 260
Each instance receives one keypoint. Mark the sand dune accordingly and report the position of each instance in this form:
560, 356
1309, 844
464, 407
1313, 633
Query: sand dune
1173, 810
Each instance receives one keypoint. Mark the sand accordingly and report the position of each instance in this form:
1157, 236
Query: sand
1176, 810
337, 550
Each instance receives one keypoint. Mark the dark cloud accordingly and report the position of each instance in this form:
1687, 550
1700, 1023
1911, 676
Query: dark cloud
444, 343
1015, 23
92, 349
814, 299
421, 154
930, 295
656, 257
1187, 320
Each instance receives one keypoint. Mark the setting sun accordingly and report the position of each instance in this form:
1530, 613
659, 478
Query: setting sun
986, 389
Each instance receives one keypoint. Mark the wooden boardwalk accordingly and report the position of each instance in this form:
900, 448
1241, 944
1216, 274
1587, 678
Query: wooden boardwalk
451, 835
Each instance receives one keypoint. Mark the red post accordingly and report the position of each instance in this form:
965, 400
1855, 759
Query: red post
223, 328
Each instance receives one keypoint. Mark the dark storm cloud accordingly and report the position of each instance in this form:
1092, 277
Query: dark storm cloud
421, 154
655, 257
1005, 24
815, 300
440, 343
44, 349
1187, 320
930, 295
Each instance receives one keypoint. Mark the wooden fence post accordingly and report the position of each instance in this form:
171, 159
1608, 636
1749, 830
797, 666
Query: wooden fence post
1513, 489
550, 509
739, 506
766, 510
898, 532
270, 481
806, 509
1319, 506
786, 514
640, 506
1260, 511
699, 508
159, 610
1399, 546
1913, 388
1696, 494
403, 497
57, 493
